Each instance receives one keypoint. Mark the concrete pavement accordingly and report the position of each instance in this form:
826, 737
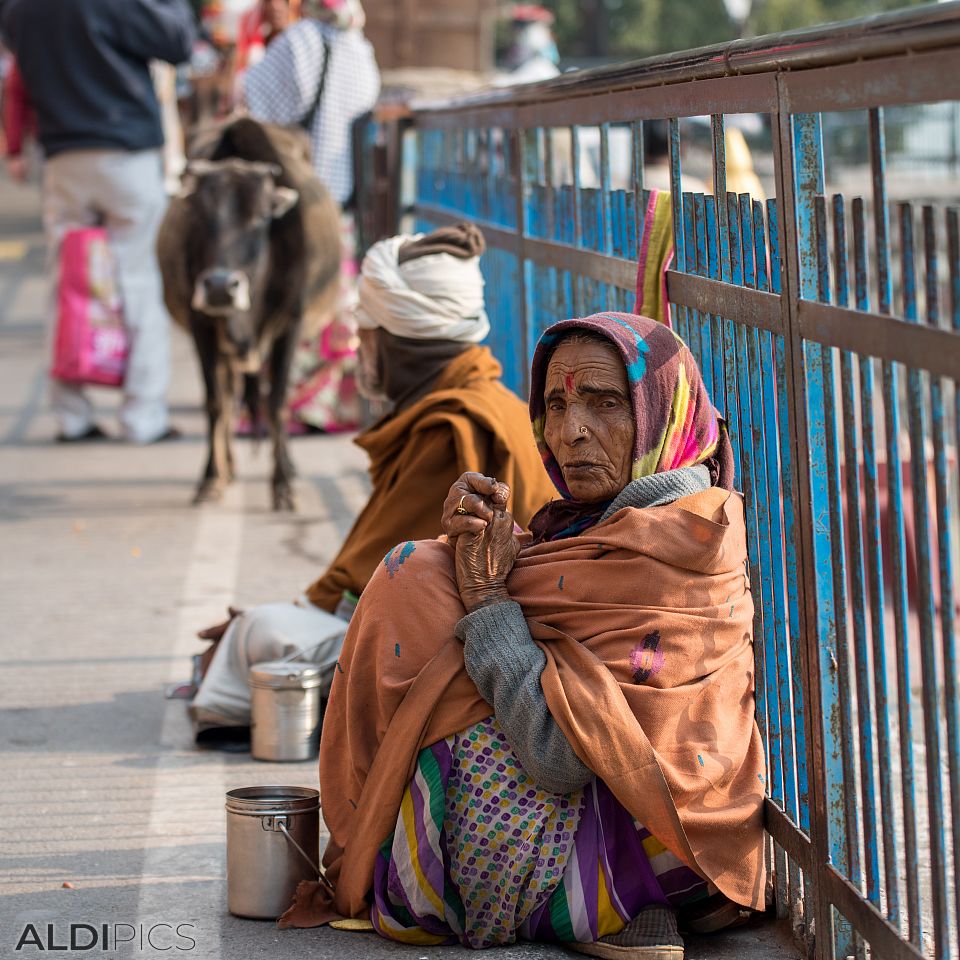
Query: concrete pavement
106, 574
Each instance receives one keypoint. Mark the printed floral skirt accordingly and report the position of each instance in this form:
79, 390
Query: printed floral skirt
482, 856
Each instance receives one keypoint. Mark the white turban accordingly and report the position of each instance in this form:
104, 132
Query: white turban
435, 297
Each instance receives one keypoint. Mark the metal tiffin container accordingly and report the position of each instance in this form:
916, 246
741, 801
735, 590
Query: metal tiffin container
273, 841
284, 710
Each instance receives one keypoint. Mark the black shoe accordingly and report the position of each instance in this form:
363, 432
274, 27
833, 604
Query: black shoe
91, 434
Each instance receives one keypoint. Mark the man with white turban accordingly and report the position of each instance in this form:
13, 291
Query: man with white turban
421, 318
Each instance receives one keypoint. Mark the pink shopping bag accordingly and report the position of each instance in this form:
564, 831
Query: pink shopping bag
91, 342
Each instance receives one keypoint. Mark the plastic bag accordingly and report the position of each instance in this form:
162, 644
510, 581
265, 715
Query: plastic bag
91, 342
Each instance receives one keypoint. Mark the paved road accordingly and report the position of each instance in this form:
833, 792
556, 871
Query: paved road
106, 574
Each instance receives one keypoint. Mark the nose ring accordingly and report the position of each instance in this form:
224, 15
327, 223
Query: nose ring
583, 430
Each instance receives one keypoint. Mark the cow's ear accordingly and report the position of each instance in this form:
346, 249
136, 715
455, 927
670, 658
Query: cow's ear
284, 199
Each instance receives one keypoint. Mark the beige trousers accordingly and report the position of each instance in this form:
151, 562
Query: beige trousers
268, 632
124, 192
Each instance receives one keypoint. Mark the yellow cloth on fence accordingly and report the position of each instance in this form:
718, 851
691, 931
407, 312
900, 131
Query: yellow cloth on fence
655, 258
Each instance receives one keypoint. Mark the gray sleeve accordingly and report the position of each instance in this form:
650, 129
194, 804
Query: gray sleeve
505, 664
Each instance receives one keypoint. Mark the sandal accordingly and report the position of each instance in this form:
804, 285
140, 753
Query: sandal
715, 913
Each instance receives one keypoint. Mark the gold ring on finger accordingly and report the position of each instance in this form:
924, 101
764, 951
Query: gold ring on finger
460, 508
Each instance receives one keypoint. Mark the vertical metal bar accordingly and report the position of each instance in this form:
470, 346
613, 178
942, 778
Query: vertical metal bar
788, 887
797, 181
531, 208
442, 156
749, 260
921, 513
790, 558
703, 269
490, 187
549, 186
942, 504
676, 191
720, 190
781, 738
577, 214
530, 220
462, 172
709, 347
725, 374
858, 594
519, 172
622, 245
818, 374
760, 247
947, 557
690, 266
874, 564
898, 550
803, 883
464, 198
639, 206
791, 708
730, 392
838, 713
735, 240
606, 213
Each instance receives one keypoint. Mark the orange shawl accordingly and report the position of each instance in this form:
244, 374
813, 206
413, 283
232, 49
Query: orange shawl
646, 623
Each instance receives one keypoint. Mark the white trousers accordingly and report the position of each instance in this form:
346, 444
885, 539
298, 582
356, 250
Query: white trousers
123, 191
268, 632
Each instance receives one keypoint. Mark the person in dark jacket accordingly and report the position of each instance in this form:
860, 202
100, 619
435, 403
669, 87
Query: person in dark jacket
86, 65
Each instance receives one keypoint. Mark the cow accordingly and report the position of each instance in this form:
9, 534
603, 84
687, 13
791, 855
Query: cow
250, 256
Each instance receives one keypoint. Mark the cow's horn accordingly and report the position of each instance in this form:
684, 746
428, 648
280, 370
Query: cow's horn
264, 167
200, 168
284, 199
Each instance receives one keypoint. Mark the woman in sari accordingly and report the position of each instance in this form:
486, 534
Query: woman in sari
551, 736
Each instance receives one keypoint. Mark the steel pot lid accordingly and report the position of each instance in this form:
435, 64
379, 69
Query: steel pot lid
284, 675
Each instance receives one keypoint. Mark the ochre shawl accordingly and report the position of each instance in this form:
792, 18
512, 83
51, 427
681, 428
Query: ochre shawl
646, 623
468, 421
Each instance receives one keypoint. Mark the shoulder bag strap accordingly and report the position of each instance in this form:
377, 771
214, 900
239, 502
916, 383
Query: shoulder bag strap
307, 121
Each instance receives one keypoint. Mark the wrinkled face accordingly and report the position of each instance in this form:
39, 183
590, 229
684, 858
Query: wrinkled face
369, 374
589, 424
235, 201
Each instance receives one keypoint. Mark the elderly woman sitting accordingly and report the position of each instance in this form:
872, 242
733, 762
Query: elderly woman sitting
552, 737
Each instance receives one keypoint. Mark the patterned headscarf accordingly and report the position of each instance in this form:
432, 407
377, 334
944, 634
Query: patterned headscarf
676, 423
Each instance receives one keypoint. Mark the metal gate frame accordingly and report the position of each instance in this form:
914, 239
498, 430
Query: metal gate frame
762, 294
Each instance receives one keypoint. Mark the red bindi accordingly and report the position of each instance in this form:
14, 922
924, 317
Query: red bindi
568, 382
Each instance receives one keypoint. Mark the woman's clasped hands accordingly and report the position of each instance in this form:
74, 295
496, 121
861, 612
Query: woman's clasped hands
481, 530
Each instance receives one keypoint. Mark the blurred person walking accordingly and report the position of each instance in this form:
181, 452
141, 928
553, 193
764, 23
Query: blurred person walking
259, 27
85, 64
321, 74
533, 54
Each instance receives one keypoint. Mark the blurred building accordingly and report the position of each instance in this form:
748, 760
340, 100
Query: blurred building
432, 33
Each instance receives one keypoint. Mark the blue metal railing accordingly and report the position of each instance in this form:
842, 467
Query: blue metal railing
832, 347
